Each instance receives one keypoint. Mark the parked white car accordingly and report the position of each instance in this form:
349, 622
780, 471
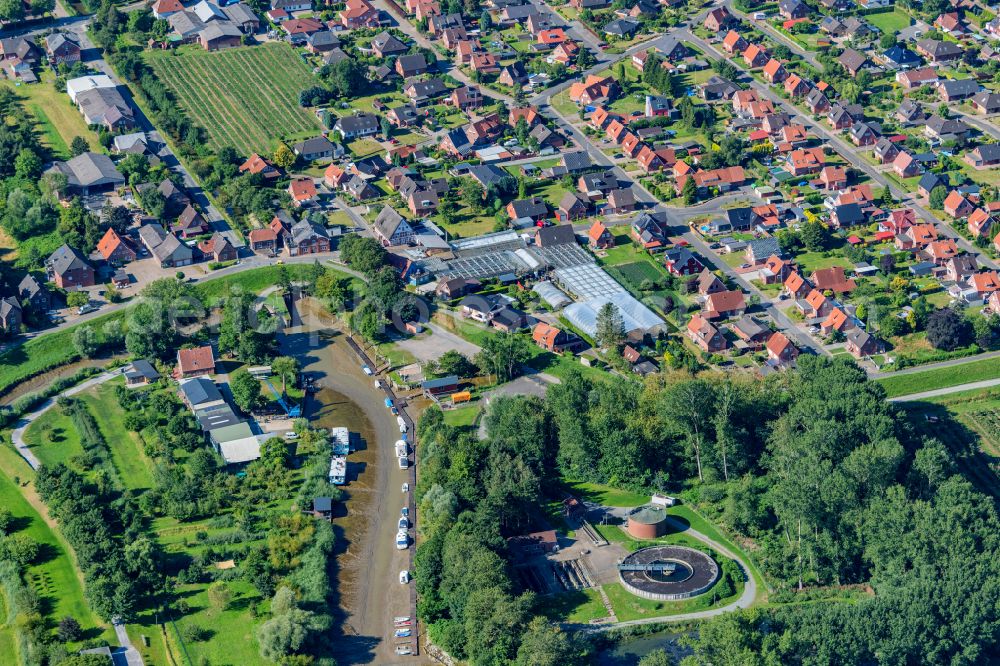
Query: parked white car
404, 577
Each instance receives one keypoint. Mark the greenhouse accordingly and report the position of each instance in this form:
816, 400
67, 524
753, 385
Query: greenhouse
635, 315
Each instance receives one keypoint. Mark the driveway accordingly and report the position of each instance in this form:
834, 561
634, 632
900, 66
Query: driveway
430, 347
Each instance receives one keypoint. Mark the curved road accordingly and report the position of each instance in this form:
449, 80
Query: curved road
17, 435
746, 599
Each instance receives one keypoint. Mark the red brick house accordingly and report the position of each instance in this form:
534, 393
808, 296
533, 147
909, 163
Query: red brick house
195, 362
705, 335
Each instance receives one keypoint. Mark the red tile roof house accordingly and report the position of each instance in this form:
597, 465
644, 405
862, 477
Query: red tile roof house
815, 304
956, 205
941, 251
833, 178
981, 223
115, 250
724, 305
303, 191
599, 236
263, 240
707, 337
734, 43
796, 286
774, 71
195, 362
780, 349
833, 279
553, 339
256, 164
837, 321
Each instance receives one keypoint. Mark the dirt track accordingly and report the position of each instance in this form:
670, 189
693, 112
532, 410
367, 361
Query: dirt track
368, 563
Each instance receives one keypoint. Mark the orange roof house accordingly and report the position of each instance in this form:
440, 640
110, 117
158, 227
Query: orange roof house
985, 283
815, 304
755, 56
956, 205
780, 348
980, 223
256, 164
594, 88
805, 161
599, 236
195, 362
114, 249
335, 177
599, 117
837, 320
303, 190
774, 71
795, 285
551, 36
529, 114
941, 251
733, 42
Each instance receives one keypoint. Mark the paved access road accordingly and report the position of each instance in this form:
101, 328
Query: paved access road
936, 393
17, 435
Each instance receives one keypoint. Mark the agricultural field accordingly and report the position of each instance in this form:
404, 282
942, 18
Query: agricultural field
255, 92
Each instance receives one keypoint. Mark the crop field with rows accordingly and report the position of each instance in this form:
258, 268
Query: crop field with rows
244, 97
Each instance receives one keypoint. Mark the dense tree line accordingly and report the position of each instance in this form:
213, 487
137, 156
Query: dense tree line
472, 494
832, 485
107, 534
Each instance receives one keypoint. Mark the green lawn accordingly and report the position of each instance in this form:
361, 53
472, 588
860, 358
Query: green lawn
462, 417
606, 495
578, 606
812, 261
54, 577
245, 97
917, 382
58, 119
889, 22
630, 607
231, 635
127, 451
52, 438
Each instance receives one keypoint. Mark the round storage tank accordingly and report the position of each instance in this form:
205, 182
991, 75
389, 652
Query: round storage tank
647, 522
